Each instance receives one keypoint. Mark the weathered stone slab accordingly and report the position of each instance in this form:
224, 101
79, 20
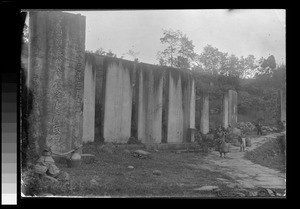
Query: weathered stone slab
181, 106
118, 101
89, 101
225, 110
150, 104
282, 105
204, 125
56, 70
232, 108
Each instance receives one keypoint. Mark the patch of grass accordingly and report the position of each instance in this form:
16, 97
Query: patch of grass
114, 178
270, 154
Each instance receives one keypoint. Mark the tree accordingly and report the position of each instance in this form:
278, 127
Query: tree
101, 51
211, 60
179, 51
133, 54
266, 66
248, 66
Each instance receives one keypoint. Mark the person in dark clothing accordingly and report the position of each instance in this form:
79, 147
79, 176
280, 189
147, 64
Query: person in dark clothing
259, 128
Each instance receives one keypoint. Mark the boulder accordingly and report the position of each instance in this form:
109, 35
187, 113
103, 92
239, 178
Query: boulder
49, 159
53, 170
49, 178
75, 156
130, 167
157, 172
40, 168
141, 154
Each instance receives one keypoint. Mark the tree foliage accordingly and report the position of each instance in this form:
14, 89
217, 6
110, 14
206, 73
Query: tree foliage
179, 51
101, 51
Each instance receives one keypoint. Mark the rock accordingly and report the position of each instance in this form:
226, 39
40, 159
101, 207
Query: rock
63, 176
207, 188
263, 193
130, 167
157, 172
53, 170
41, 159
53, 180
271, 193
76, 156
141, 154
94, 182
49, 159
40, 168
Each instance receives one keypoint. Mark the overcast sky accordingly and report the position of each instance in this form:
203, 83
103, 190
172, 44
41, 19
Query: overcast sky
239, 32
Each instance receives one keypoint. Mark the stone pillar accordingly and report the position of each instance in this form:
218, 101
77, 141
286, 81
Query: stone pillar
225, 110
282, 105
56, 73
89, 102
175, 110
192, 105
204, 125
118, 100
232, 110
150, 105
192, 111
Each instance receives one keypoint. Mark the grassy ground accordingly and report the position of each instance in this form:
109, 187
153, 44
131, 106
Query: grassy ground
269, 154
116, 179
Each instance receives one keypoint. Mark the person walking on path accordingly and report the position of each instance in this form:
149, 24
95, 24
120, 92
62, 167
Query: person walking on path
242, 141
259, 128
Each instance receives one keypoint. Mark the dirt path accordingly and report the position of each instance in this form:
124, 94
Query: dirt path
246, 173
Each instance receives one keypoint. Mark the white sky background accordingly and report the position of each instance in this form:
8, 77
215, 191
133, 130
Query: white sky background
239, 32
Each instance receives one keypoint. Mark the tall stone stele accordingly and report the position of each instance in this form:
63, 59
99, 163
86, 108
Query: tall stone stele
56, 77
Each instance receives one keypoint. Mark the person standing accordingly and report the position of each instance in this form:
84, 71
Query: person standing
259, 128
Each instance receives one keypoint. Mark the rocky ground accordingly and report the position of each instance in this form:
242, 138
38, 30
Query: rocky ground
131, 171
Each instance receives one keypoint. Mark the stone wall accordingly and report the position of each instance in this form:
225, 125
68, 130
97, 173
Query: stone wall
56, 79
